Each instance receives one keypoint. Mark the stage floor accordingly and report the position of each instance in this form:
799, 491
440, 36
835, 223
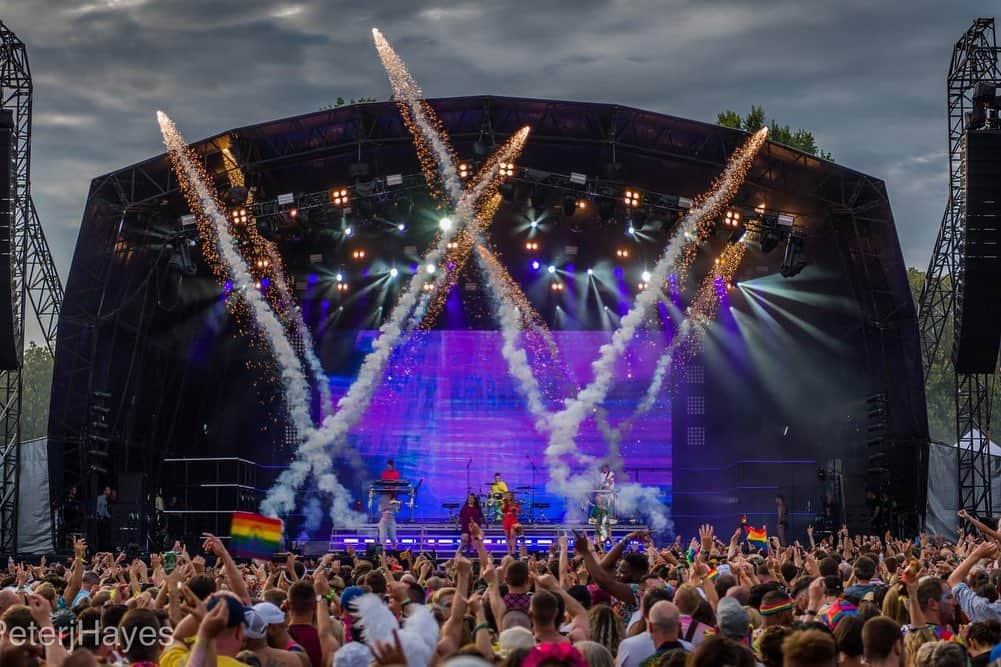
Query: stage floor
444, 536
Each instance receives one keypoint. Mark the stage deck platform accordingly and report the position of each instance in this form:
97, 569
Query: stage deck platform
444, 536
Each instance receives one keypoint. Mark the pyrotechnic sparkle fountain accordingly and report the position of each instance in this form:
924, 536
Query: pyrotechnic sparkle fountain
227, 261
566, 424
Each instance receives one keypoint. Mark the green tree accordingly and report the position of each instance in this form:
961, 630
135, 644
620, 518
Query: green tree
755, 120
940, 385
36, 379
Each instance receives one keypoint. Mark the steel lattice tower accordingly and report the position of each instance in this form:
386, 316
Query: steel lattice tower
974, 60
33, 274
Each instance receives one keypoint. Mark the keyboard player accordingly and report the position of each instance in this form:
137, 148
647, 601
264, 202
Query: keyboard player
390, 473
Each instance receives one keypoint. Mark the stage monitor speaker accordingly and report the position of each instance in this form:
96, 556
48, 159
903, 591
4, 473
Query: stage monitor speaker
8, 349
979, 304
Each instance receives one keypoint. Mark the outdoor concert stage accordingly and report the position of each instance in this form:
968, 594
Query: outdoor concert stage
807, 380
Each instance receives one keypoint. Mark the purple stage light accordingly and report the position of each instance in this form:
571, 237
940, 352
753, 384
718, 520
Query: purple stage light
265, 283
228, 286
312, 279
535, 265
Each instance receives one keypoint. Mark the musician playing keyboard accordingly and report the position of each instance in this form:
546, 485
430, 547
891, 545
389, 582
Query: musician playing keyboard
390, 473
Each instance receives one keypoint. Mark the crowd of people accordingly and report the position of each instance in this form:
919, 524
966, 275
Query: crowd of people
842, 600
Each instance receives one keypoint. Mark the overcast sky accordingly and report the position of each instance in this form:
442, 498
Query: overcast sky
867, 77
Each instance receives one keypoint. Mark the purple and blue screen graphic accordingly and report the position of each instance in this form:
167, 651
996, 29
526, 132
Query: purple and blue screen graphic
447, 404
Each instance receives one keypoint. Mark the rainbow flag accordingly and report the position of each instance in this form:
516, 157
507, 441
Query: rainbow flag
757, 536
691, 555
254, 536
713, 573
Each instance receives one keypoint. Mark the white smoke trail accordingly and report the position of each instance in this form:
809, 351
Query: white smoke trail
313, 455
301, 331
566, 423
407, 91
293, 381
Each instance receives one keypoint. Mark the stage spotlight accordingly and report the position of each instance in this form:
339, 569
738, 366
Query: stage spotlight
631, 230
430, 268
401, 227
506, 169
642, 286
731, 218
632, 198
464, 170
239, 216
393, 272
358, 254
428, 287
339, 277
452, 245
445, 224
794, 259
339, 197
535, 265
551, 269
590, 272
532, 245
533, 224
348, 231
569, 205
646, 276
622, 253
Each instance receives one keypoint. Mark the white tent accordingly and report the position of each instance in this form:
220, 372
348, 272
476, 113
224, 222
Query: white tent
943, 488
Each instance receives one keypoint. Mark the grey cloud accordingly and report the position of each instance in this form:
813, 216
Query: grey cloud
866, 78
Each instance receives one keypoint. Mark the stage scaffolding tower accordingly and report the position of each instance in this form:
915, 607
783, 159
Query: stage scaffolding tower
33, 277
974, 60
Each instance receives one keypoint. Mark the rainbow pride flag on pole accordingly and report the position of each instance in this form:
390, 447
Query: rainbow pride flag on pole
758, 537
254, 536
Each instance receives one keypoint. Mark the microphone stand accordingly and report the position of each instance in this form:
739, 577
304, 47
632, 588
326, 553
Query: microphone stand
469, 487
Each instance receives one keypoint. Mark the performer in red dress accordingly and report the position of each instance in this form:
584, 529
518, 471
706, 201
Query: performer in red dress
468, 515
512, 527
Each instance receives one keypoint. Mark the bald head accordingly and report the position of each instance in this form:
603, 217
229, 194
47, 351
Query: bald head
665, 622
8, 599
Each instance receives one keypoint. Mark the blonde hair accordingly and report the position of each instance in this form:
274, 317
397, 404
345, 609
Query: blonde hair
913, 641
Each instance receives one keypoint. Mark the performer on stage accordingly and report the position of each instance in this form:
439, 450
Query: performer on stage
608, 499
498, 486
390, 474
498, 489
781, 518
388, 506
601, 518
512, 527
607, 477
469, 514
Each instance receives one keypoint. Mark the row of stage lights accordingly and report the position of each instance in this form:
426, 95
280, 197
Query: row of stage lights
632, 198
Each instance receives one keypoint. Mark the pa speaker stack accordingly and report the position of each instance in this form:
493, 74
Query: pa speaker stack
979, 336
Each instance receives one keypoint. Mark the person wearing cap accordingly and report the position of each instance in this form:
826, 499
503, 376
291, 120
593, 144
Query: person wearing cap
263, 620
213, 638
733, 621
